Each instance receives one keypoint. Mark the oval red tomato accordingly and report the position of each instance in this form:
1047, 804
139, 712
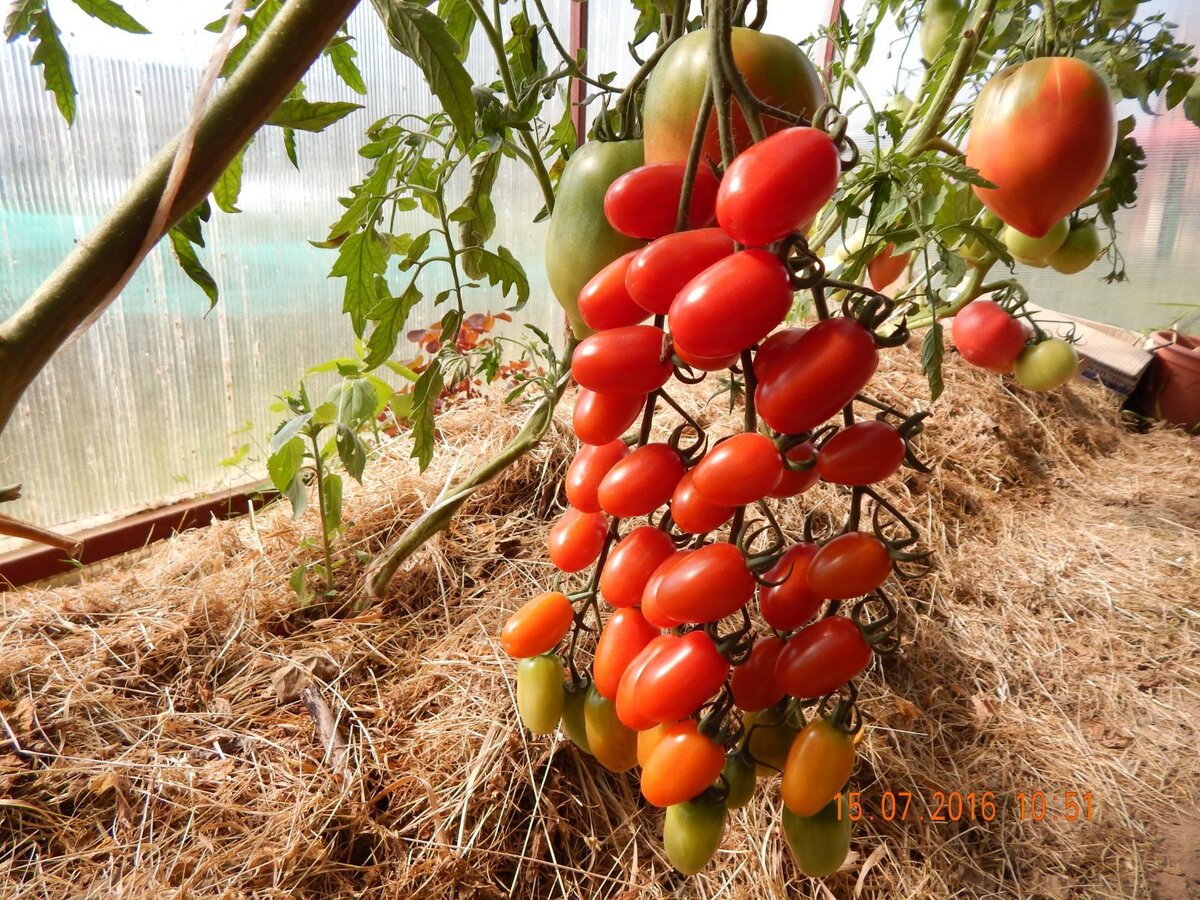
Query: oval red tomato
887, 267
773, 349
709, 584
651, 608
1043, 132
988, 336
644, 202
632, 562
753, 682
586, 471
576, 539
641, 482
732, 304
850, 565
823, 372
741, 469
600, 418
865, 453
660, 271
538, 626
692, 513
821, 658
682, 765
624, 636
789, 603
627, 690
604, 301
635, 359
679, 678
797, 481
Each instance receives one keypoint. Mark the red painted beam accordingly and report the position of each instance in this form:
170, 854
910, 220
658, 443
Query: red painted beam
36, 563
835, 12
577, 39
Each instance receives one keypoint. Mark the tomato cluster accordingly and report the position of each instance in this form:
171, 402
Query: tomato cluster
989, 336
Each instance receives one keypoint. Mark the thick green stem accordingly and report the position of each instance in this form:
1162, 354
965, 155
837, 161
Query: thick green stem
84, 280
969, 290
319, 469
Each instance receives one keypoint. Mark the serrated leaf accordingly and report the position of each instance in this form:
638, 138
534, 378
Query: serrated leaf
331, 493
351, 453
476, 229
112, 13
460, 22
425, 394
341, 57
502, 268
361, 259
284, 463
392, 317
289, 147
289, 430
225, 192
51, 55
297, 496
932, 351
308, 115
256, 24
21, 18
423, 37
189, 262
235, 459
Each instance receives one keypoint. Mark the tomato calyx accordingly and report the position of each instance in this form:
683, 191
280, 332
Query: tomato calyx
877, 620
872, 310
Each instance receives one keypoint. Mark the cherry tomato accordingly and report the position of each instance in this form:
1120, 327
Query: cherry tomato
753, 682
682, 765
635, 359
768, 739
712, 317
588, 469
692, 834
627, 691
741, 469
864, 453
820, 843
709, 584
613, 744
739, 776
631, 563
797, 481
1027, 248
651, 608
818, 766
577, 539
1046, 365
624, 636
538, 625
604, 302
644, 202
600, 418
778, 185
540, 692
692, 513
821, 658
704, 363
661, 270
987, 335
1043, 132
789, 604
850, 565
679, 678
887, 267
642, 482
648, 739
775, 349
821, 374
574, 723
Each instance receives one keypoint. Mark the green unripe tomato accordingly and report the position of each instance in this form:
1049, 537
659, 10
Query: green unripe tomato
540, 692
769, 742
1047, 365
740, 775
819, 843
573, 720
1034, 250
972, 248
937, 27
692, 833
1079, 250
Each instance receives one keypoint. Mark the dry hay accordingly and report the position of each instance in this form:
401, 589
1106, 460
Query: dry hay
1053, 647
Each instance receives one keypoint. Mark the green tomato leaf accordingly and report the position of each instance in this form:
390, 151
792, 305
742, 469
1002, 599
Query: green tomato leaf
289, 147
256, 24
460, 22
306, 115
425, 396
362, 258
341, 56
351, 453
391, 316
283, 465
21, 18
499, 268
297, 496
932, 351
225, 192
112, 13
331, 493
51, 55
189, 262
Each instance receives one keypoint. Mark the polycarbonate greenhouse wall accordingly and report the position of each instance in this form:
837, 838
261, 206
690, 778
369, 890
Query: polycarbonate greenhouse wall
145, 405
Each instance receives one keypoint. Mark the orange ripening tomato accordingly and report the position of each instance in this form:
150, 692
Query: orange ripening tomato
538, 626
680, 678
682, 765
739, 470
692, 513
627, 689
632, 562
651, 608
778, 185
848, 566
644, 202
600, 418
660, 271
604, 301
648, 739
711, 317
797, 481
624, 636
865, 453
1044, 133
789, 603
709, 584
817, 768
887, 267
821, 658
635, 359
753, 682
642, 481
586, 471
612, 743
576, 539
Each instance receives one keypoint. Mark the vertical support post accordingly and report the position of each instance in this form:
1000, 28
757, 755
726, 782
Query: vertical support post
835, 12
577, 40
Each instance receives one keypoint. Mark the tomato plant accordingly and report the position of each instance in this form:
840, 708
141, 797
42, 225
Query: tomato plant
795, 481
679, 677
626, 703
708, 584
694, 514
754, 684
625, 635
634, 559
629, 360
604, 302
988, 336
819, 843
692, 834
612, 743
786, 602
1046, 365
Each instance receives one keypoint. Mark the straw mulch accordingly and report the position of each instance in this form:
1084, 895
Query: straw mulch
158, 739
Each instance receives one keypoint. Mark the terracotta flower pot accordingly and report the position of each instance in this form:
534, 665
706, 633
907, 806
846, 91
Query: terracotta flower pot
1171, 389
